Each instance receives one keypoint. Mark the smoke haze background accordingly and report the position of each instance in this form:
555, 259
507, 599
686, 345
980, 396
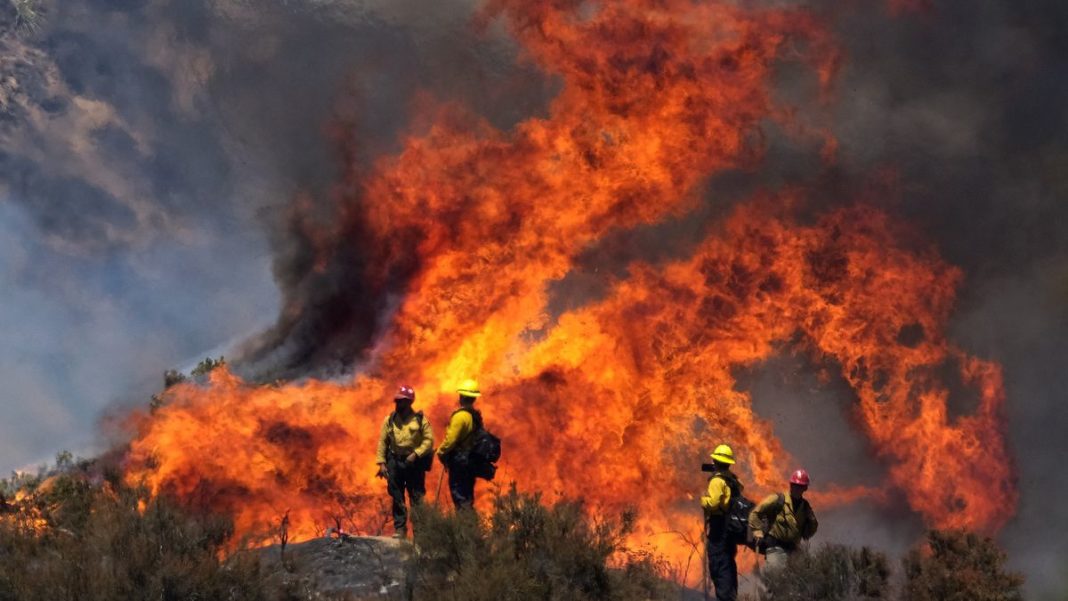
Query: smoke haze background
152, 149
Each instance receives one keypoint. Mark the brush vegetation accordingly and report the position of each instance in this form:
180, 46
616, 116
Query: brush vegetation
79, 533
526, 550
831, 573
959, 566
951, 566
83, 536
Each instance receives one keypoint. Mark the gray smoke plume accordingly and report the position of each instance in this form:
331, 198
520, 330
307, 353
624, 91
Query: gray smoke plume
161, 159
151, 154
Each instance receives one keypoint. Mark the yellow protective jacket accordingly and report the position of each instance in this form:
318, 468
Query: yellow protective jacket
789, 525
719, 495
413, 435
458, 433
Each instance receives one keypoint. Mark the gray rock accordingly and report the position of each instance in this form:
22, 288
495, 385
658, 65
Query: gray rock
354, 568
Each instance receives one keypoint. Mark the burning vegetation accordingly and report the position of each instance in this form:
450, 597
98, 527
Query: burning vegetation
457, 239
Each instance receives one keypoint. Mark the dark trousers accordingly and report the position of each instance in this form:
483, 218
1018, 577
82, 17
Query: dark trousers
402, 477
722, 567
461, 486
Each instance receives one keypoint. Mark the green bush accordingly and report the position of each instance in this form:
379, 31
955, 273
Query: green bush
526, 551
959, 566
833, 573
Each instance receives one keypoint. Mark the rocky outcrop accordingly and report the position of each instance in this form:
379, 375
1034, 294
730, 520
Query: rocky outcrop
354, 568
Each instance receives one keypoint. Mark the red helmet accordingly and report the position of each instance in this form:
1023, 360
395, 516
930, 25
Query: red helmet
405, 392
799, 477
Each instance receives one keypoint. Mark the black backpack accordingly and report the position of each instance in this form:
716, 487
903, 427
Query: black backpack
738, 509
482, 452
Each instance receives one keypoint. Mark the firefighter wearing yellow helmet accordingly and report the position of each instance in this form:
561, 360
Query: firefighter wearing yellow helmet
459, 435
722, 486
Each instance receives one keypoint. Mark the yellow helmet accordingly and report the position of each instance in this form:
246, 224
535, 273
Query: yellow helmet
469, 388
723, 454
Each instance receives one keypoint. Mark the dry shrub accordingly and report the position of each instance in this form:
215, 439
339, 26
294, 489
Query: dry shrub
104, 541
526, 551
959, 566
833, 573
952, 566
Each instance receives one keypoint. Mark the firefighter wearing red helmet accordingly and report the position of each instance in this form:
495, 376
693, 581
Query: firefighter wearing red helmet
781, 521
405, 453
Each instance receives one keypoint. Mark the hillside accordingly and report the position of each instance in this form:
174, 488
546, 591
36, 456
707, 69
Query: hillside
82, 534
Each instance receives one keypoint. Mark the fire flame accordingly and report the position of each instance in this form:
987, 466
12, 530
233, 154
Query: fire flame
618, 401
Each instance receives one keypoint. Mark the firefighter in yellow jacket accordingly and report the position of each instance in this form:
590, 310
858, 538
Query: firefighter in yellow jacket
463, 424
405, 453
781, 521
722, 486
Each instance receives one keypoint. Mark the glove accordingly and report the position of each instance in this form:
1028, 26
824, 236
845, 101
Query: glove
382, 471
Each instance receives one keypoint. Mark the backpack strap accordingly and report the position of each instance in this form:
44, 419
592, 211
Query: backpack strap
732, 483
476, 418
393, 422
780, 504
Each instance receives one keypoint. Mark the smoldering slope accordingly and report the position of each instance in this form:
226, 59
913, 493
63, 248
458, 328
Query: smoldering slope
203, 121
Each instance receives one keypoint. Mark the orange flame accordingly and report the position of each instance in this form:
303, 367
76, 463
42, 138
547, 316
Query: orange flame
619, 401
23, 514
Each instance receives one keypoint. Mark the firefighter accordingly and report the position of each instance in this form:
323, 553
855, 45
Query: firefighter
781, 521
463, 423
405, 451
722, 486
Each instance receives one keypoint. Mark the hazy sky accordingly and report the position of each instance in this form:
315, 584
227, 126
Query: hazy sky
81, 333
